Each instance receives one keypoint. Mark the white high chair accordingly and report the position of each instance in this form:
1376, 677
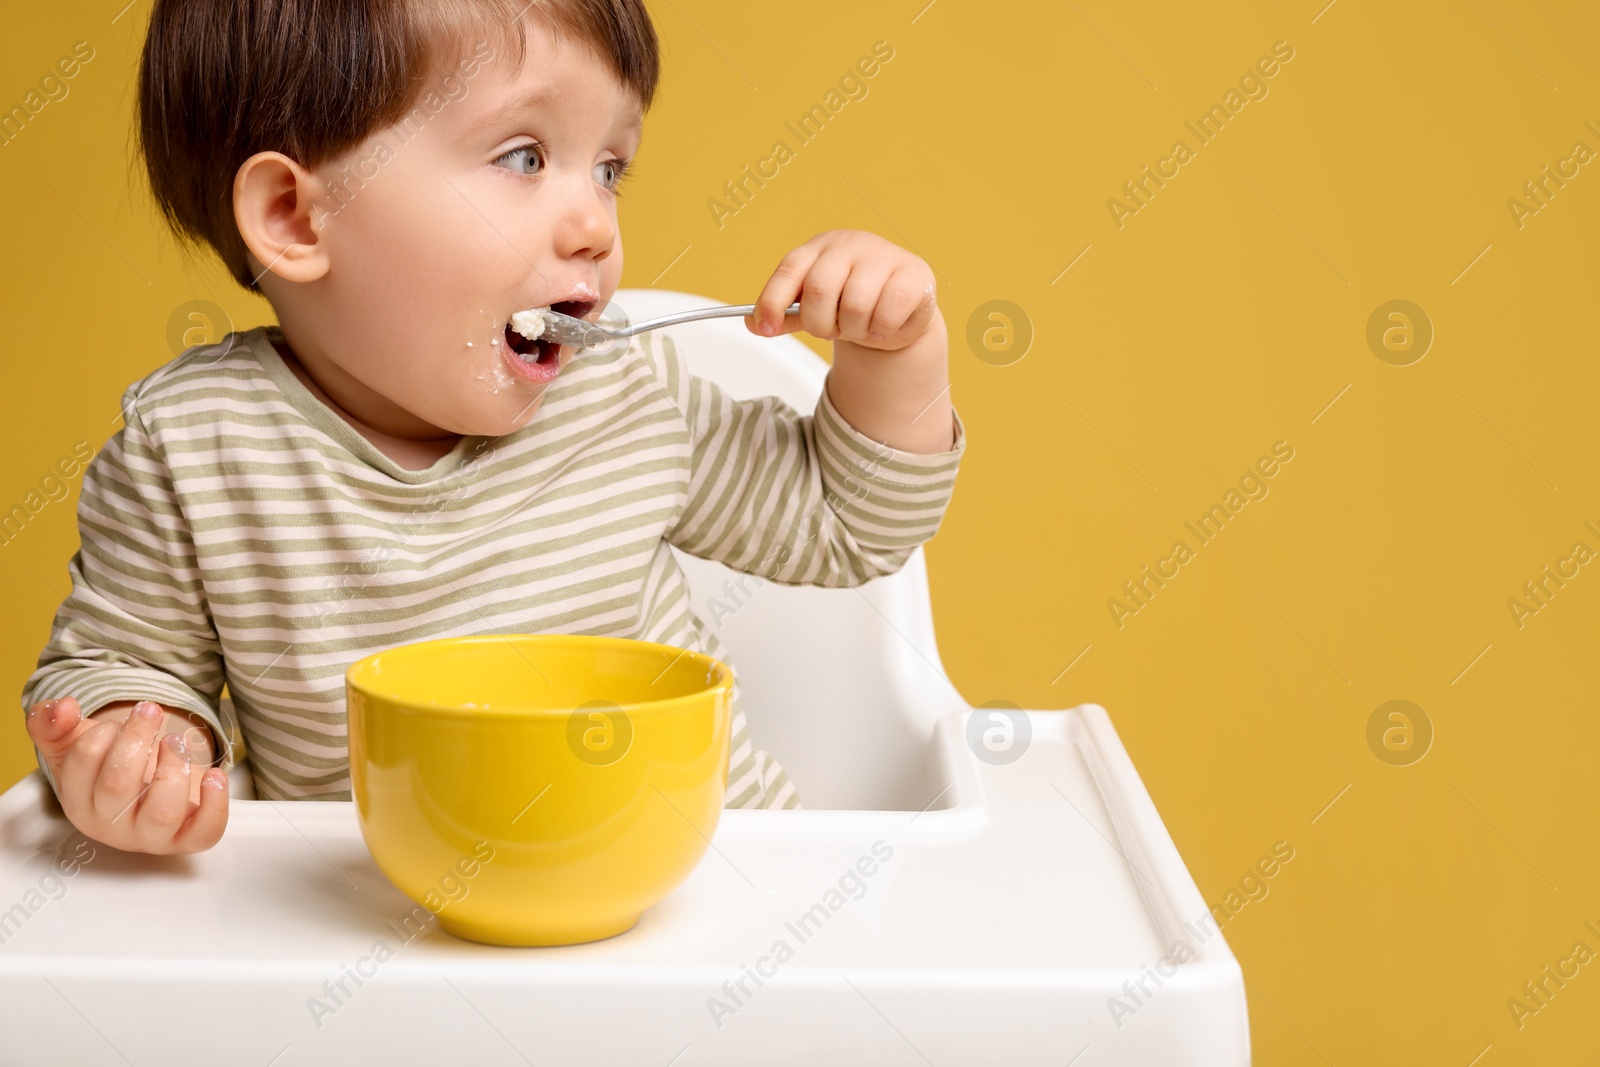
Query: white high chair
1032, 908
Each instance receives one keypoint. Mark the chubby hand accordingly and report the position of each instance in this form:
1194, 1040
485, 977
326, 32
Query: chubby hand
124, 782
853, 286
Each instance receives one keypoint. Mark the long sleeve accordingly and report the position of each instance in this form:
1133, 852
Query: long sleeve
801, 499
135, 625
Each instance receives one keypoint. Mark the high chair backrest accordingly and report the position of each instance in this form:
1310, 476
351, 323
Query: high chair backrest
841, 685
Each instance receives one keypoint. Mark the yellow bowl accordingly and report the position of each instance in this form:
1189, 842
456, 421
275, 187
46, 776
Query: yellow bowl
538, 789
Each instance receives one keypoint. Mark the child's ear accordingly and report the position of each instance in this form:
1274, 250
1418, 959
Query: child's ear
275, 207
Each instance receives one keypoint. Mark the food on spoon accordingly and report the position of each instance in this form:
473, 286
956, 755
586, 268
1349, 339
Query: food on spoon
530, 335
529, 323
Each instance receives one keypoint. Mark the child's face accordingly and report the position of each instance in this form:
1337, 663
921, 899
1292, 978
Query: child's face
442, 226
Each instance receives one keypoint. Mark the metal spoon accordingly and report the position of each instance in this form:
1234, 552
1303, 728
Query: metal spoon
581, 333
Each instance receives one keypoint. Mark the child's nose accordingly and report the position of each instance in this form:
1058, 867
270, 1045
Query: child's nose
586, 224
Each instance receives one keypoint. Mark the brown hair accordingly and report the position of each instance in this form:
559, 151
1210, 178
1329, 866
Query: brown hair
221, 80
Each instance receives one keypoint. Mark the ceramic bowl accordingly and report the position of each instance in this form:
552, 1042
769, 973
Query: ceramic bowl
538, 789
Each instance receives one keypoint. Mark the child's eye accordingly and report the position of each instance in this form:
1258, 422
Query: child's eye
529, 159
619, 171
521, 158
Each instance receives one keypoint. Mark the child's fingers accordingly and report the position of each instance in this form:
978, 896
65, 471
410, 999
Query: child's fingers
52, 725
781, 290
862, 296
122, 773
906, 305
160, 813
198, 742
55, 726
49, 721
819, 295
205, 823
787, 324
77, 767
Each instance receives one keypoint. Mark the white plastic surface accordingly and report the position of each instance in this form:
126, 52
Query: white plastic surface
962, 911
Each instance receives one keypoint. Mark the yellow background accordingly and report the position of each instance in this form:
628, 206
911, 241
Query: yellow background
1223, 317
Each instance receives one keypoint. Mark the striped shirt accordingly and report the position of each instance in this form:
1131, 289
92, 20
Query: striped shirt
238, 532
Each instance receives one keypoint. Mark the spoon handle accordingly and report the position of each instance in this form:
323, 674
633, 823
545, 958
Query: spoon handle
691, 316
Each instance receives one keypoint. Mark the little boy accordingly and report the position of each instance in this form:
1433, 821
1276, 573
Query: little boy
392, 462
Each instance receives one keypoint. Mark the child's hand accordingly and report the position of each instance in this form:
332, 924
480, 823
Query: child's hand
121, 785
852, 286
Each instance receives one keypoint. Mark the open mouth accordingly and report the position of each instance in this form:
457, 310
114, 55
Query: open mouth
542, 350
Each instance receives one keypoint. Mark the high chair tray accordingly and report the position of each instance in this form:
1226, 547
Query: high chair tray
1036, 913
